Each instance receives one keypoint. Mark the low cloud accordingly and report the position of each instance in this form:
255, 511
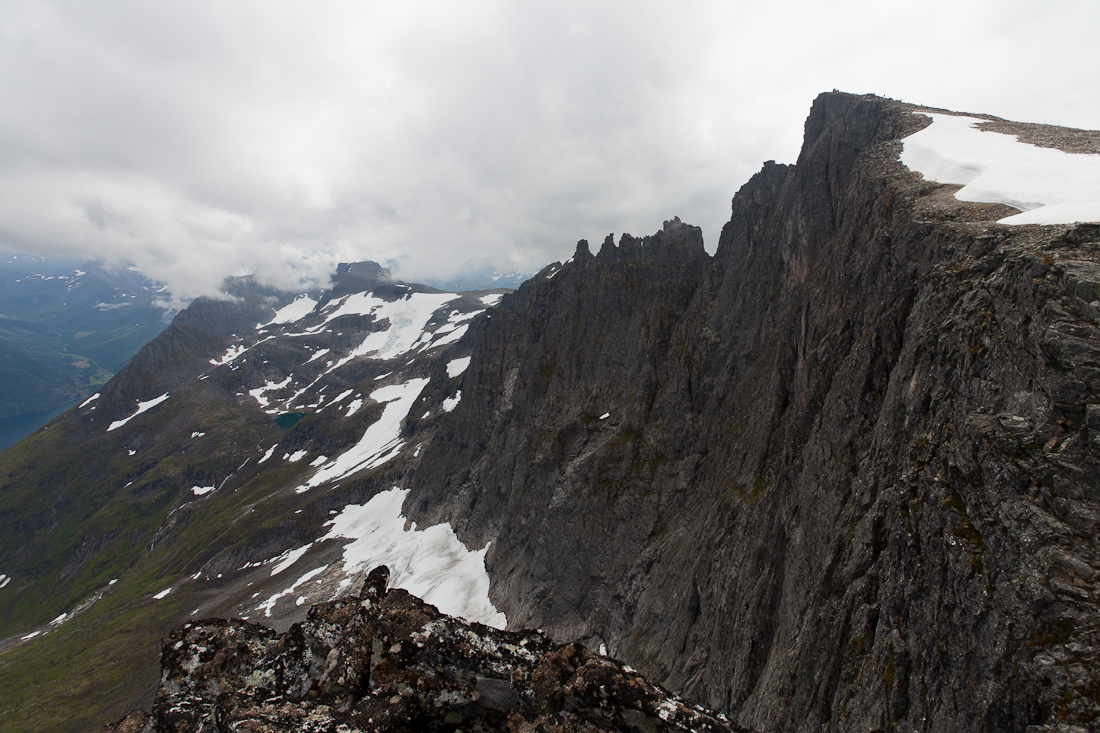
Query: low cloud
202, 139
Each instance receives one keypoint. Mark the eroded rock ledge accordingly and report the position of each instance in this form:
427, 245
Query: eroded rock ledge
387, 661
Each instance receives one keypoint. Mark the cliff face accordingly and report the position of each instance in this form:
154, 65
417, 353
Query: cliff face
847, 478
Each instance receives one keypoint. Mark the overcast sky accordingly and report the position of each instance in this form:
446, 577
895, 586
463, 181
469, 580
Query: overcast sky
204, 138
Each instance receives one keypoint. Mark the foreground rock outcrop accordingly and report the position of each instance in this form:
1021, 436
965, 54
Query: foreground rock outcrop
386, 661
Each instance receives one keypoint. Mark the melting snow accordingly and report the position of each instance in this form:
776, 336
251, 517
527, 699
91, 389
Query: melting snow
258, 393
407, 316
452, 402
200, 490
382, 440
4, 580
431, 563
1049, 186
449, 338
295, 456
231, 353
457, 366
142, 407
341, 396
163, 593
353, 406
86, 402
605, 415
492, 299
31, 635
197, 435
268, 454
269, 604
289, 558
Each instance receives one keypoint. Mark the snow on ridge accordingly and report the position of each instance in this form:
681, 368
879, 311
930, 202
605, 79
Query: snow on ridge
298, 309
408, 318
381, 441
1048, 186
432, 563
142, 407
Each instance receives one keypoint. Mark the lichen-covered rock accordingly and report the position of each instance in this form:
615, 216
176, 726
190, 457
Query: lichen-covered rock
387, 661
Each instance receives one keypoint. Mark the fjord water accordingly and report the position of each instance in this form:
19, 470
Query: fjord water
13, 429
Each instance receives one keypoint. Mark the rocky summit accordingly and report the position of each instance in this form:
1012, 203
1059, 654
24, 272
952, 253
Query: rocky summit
386, 661
841, 475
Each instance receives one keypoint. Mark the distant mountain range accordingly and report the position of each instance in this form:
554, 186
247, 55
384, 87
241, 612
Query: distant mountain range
479, 274
66, 326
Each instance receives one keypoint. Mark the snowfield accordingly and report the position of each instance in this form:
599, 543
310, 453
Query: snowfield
432, 564
381, 441
1048, 186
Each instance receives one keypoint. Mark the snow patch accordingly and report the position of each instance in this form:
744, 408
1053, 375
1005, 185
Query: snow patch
302, 306
457, 366
200, 490
258, 393
142, 407
431, 563
88, 401
289, 558
162, 594
452, 402
449, 338
492, 299
1048, 186
269, 604
407, 317
382, 440
268, 454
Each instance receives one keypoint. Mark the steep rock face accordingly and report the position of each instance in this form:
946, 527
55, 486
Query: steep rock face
386, 661
847, 477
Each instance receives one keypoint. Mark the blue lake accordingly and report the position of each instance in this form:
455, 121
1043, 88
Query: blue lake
14, 429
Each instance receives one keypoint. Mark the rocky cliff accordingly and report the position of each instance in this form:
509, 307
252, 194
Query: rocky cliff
842, 475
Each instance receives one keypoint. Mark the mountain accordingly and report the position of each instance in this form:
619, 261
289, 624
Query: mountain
66, 326
480, 274
841, 475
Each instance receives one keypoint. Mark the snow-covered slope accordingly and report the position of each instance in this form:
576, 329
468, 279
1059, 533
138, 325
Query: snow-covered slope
1048, 186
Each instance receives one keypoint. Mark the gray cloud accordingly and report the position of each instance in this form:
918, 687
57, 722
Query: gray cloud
202, 139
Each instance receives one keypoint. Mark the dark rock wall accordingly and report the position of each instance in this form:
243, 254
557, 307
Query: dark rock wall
848, 478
